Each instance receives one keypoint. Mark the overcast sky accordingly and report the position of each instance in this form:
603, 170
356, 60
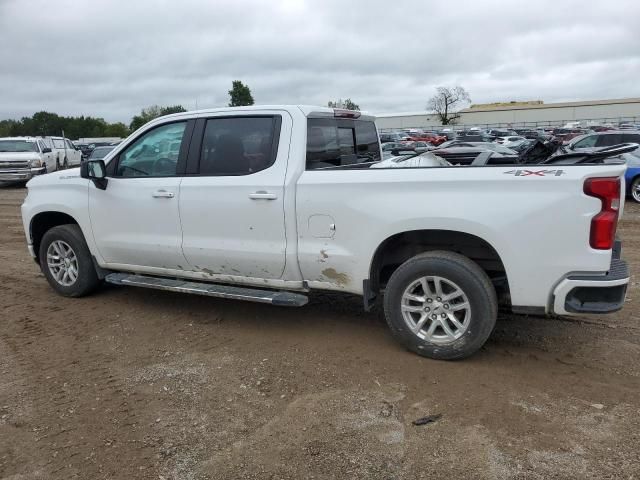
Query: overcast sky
110, 58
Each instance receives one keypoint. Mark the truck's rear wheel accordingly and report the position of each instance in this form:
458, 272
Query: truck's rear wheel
441, 305
66, 262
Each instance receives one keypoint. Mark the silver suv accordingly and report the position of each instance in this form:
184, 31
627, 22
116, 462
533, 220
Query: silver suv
605, 139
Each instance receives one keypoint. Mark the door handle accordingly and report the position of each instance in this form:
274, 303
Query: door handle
262, 195
163, 194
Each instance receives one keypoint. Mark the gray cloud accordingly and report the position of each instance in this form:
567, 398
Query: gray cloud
110, 58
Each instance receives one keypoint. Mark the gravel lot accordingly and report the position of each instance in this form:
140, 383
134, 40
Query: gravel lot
132, 383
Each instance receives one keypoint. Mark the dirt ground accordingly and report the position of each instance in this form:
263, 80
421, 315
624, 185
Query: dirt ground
133, 383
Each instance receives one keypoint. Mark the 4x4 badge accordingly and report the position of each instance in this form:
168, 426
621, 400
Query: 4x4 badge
534, 173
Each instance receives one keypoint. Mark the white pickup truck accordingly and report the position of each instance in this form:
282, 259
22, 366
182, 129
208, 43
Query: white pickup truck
267, 203
22, 158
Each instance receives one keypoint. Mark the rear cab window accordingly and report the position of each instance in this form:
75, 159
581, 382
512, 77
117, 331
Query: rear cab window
335, 142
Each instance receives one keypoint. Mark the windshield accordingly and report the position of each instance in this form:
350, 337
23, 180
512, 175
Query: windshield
18, 146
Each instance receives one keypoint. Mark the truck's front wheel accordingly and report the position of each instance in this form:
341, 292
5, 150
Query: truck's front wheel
66, 261
635, 189
441, 305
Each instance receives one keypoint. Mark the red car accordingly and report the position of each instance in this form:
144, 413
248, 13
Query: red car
432, 138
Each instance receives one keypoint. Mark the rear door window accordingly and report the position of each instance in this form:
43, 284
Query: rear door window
608, 140
341, 142
238, 145
631, 138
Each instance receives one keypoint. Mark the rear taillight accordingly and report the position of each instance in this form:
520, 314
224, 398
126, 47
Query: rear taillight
604, 224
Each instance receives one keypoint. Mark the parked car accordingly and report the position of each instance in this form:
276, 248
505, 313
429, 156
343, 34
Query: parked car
511, 141
426, 159
431, 138
299, 211
84, 149
567, 134
473, 136
459, 155
448, 133
532, 134
604, 139
390, 137
64, 151
22, 158
496, 147
498, 132
100, 152
632, 177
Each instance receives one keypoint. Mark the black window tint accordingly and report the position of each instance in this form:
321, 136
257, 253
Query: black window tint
608, 140
238, 146
346, 141
332, 142
367, 139
322, 145
631, 138
154, 154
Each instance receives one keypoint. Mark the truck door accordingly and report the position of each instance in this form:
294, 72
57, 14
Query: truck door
232, 198
135, 220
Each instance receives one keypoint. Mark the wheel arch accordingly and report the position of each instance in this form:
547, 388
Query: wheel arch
42, 222
400, 247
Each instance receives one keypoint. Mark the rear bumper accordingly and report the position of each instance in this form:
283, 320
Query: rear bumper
585, 293
21, 174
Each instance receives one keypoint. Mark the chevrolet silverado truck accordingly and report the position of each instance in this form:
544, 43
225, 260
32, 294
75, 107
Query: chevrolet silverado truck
22, 158
268, 203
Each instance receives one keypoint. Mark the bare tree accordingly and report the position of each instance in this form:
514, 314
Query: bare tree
446, 103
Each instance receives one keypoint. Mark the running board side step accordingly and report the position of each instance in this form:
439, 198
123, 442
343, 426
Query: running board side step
286, 299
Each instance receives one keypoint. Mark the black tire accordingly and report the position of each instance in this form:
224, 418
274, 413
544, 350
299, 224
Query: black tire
87, 279
454, 269
635, 189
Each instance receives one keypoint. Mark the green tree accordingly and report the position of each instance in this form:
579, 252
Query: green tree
240, 95
172, 109
47, 123
446, 103
117, 129
154, 111
9, 128
348, 104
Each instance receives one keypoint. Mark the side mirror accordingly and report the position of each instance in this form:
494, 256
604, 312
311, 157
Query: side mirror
46, 150
572, 146
96, 171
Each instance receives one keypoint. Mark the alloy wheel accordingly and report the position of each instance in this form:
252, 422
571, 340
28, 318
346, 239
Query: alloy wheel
436, 309
62, 263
